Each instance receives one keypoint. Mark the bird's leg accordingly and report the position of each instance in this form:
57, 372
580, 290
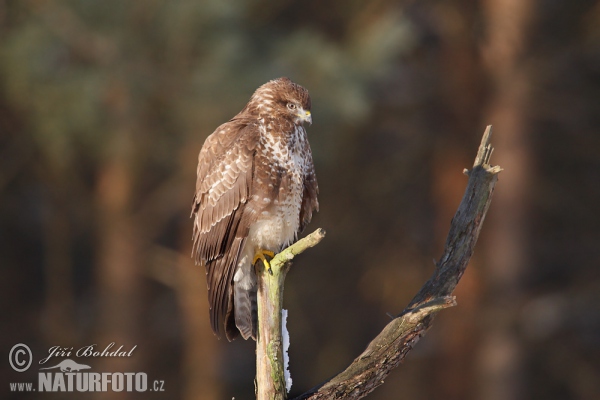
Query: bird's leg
260, 255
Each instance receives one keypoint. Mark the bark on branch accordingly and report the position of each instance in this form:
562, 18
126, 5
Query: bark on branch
270, 380
389, 348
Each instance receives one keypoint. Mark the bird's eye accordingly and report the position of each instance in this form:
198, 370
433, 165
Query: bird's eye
291, 106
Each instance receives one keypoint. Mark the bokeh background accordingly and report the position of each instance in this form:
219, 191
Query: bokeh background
104, 106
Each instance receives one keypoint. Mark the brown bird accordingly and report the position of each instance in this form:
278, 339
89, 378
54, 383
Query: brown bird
256, 190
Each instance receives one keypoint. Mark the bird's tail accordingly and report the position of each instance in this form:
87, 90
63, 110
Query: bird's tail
246, 307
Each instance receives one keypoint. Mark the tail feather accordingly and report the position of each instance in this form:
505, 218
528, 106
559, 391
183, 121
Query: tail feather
245, 310
219, 274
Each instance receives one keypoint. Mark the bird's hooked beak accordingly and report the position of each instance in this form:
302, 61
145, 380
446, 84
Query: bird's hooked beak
304, 116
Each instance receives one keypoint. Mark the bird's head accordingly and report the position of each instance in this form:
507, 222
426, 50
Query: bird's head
284, 98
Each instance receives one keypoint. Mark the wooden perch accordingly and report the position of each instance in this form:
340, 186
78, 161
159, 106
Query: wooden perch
389, 348
270, 381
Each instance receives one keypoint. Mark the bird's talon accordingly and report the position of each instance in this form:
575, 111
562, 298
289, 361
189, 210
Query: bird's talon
262, 255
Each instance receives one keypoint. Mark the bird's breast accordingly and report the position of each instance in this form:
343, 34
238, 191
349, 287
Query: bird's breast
277, 225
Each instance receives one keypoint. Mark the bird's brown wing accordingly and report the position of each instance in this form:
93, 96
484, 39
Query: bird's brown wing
223, 186
310, 202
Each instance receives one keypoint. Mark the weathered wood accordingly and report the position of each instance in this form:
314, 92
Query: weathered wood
270, 376
389, 348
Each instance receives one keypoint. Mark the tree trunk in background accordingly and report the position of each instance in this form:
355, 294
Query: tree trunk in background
118, 271
59, 306
200, 364
461, 93
501, 355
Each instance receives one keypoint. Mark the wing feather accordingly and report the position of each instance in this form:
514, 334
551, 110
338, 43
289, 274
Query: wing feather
223, 186
220, 191
310, 202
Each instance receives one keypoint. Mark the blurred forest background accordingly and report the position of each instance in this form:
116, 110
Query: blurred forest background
104, 106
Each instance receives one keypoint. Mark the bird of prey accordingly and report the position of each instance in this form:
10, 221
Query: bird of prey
256, 190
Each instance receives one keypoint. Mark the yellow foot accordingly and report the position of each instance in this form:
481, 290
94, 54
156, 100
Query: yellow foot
260, 255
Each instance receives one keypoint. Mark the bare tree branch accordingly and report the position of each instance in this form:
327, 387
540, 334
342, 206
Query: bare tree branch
270, 381
389, 348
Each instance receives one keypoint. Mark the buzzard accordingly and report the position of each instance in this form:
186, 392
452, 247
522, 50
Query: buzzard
255, 191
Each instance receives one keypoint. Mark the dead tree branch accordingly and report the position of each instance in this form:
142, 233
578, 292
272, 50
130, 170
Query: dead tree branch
389, 348
270, 381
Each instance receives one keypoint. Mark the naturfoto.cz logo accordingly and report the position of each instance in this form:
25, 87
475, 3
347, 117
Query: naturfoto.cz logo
71, 376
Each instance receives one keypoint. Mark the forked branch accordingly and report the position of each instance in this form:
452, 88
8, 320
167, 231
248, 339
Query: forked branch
389, 348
